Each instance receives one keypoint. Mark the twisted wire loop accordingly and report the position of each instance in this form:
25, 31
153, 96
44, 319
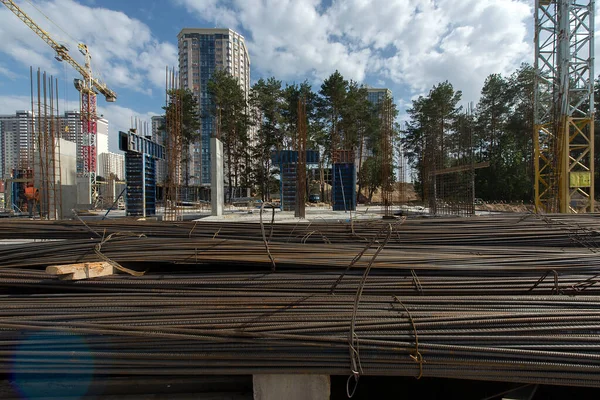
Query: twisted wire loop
583, 285
84, 224
264, 236
192, 230
353, 340
416, 282
98, 247
556, 289
358, 257
416, 356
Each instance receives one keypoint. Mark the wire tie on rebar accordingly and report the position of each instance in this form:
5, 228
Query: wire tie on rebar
309, 234
555, 289
523, 218
86, 225
581, 286
294, 229
353, 337
355, 260
115, 264
192, 230
416, 281
356, 377
556, 281
217, 233
262, 229
416, 356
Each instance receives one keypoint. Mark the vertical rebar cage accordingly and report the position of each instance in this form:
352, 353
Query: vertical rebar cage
564, 106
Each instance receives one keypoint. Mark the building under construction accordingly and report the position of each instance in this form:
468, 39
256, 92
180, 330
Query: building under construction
164, 297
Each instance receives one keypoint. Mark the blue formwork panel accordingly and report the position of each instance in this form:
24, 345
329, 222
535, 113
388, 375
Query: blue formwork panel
150, 182
140, 174
287, 160
344, 187
291, 156
288, 186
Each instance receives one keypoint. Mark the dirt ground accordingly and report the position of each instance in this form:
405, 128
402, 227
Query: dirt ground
403, 193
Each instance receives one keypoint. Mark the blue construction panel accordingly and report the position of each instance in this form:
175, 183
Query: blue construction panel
288, 174
129, 141
150, 181
17, 192
140, 174
291, 156
344, 187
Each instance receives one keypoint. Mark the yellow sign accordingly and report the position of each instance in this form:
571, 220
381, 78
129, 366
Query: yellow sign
580, 179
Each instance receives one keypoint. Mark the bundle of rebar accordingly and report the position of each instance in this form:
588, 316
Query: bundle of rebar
514, 230
504, 298
223, 330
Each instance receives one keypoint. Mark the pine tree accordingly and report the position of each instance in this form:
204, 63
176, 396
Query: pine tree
230, 112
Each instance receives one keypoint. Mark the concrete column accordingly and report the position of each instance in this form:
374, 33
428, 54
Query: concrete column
291, 387
217, 194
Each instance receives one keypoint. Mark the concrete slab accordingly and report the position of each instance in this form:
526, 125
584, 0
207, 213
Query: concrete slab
291, 387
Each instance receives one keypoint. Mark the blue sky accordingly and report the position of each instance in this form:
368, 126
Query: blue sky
405, 45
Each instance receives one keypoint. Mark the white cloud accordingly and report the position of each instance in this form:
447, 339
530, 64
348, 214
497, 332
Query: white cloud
120, 46
413, 43
289, 38
7, 72
211, 10
10, 104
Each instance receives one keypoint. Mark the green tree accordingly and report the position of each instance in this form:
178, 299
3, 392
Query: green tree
291, 94
493, 112
265, 103
505, 127
431, 135
331, 104
230, 113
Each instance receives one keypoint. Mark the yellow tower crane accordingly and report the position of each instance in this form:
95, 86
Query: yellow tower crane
88, 86
564, 106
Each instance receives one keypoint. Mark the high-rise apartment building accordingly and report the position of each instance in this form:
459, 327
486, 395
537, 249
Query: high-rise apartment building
376, 95
16, 142
111, 163
201, 53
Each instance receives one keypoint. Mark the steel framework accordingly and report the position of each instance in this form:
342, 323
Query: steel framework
87, 86
564, 106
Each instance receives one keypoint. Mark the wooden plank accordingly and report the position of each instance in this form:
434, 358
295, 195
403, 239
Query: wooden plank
81, 270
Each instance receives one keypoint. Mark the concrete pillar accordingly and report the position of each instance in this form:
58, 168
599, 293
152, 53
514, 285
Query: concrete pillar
217, 194
291, 387
84, 198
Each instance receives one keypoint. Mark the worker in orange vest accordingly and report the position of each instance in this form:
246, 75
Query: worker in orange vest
33, 198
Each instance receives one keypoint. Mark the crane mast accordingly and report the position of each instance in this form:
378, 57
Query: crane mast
88, 86
564, 106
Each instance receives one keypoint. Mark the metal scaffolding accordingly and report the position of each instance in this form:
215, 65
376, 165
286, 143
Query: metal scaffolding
564, 106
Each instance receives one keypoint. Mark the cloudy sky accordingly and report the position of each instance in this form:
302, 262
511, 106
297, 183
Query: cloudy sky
405, 45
